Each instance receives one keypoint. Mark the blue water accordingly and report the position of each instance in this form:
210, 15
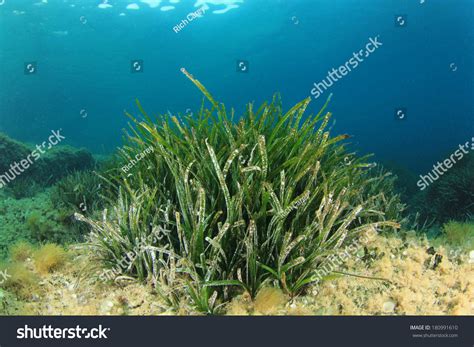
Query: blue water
83, 81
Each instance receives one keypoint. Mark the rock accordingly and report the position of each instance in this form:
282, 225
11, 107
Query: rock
11, 151
35, 298
388, 307
436, 260
431, 251
106, 307
43, 168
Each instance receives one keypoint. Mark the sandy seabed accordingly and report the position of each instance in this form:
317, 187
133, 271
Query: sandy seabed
415, 285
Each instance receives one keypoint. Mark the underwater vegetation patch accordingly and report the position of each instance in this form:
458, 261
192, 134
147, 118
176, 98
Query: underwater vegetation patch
268, 300
43, 169
79, 191
11, 151
9, 304
22, 281
84, 191
452, 196
459, 234
21, 251
237, 206
36, 220
49, 226
23, 187
23, 272
30, 209
49, 257
61, 161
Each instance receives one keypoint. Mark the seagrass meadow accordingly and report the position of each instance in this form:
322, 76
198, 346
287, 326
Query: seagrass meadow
262, 213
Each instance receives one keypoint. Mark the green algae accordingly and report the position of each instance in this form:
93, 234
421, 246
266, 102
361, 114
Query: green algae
456, 235
30, 219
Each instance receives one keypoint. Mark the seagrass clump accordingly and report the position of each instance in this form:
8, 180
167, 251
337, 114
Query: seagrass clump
224, 204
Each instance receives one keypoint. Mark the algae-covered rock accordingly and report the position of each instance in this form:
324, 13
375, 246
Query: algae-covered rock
11, 151
25, 169
26, 210
61, 161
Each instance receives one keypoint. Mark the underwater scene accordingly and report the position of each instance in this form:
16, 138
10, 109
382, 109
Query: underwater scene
236, 157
